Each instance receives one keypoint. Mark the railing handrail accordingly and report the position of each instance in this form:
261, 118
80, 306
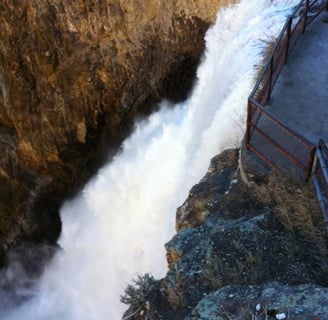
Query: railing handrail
267, 64
308, 4
263, 87
292, 133
261, 94
306, 167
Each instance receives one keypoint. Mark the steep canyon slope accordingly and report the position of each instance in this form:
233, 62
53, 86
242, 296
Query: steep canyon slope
73, 77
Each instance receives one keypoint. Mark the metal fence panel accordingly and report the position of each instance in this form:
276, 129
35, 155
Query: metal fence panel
279, 146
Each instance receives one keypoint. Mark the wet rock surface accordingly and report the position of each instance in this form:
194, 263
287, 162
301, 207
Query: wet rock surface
74, 75
236, 241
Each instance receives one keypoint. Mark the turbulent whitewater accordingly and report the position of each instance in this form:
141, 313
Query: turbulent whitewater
119, 223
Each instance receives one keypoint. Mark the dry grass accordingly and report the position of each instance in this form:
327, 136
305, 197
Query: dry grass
295, 204
267, 45
175, 291
218, 273
212, 271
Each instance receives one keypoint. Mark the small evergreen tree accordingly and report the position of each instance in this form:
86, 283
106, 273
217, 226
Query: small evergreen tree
137, 294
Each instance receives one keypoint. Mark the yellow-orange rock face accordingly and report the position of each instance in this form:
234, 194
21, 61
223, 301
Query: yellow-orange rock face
73, 76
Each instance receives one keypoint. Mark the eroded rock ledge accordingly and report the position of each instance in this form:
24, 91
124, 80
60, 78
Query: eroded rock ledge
73, 77
241, 248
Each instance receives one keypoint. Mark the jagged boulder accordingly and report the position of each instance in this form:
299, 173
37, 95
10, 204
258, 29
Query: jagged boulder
73, 77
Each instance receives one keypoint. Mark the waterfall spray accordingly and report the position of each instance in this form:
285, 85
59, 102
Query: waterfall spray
119, 223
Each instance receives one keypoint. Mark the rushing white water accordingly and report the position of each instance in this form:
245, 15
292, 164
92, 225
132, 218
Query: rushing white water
118, 225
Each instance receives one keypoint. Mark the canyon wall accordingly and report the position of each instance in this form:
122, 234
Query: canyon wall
74, 75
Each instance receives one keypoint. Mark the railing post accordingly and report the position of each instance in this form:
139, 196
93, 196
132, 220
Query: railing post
310, 165
323, 164
270, 80
289, 28
248, 124
307, 6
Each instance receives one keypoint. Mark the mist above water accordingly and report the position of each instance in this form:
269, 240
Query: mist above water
119, 223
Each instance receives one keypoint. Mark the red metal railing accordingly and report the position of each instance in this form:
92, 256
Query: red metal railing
277, 145
267, 136
320, 177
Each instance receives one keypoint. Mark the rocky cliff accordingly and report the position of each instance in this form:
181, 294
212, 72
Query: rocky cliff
73, 77
255, 251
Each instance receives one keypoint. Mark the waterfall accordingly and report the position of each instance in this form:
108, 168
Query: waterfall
117, 226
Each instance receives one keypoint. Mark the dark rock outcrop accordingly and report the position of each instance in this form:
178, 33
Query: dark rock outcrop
73, 77
233, 237
270, 301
